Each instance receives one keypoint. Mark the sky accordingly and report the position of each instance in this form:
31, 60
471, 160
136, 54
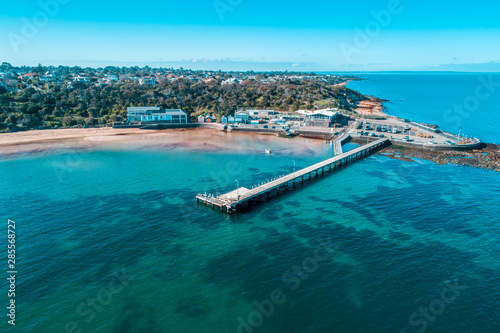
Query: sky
389, 35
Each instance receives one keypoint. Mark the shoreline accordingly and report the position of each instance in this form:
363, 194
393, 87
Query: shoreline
487, 158
73, 140
372, 106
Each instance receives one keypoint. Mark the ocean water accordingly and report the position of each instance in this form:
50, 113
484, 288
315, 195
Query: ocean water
468, 103
111, 240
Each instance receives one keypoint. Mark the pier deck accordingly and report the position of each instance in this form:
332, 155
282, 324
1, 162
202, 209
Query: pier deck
243, 196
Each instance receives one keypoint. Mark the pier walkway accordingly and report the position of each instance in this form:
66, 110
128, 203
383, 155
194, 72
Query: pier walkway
241, 197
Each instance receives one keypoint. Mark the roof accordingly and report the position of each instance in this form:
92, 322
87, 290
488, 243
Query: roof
326, 113
174, 112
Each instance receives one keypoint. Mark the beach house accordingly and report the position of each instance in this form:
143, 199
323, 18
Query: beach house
147, 80
241, 117
156, 115
262, 113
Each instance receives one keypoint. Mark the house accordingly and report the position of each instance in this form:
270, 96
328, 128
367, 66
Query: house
201, 119
81, 78
156, 115
230, 81
147, 80
110, 78
28, 76
262, 113
241, 117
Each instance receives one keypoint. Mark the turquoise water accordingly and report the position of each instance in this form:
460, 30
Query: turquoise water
112, 240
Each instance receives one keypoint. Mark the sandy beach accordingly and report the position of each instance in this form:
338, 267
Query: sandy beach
39, 141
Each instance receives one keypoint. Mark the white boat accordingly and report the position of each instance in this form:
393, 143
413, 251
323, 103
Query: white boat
268, 151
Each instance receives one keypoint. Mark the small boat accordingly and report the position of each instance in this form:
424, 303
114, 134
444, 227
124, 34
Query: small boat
268, 151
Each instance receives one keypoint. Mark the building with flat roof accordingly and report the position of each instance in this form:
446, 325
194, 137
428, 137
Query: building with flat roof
320, 118
241, 117
262, 113
148, 114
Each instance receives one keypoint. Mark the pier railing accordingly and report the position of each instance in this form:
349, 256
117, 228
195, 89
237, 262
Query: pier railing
241, 196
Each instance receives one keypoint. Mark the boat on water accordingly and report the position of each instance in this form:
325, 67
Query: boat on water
268, 151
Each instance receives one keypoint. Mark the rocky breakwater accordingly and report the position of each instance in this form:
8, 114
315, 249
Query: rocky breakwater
488, 157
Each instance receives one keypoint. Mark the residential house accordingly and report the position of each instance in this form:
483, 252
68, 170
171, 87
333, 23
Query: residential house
81, 78
230, 81
110, 79
147, 80
28, 76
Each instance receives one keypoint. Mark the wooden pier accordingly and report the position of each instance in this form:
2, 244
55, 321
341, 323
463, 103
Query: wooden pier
231, 201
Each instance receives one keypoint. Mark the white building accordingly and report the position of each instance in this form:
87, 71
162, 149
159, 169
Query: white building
262, 113
81, 78
230, 81
241, 117
156, 115
147, 80
322, 118
110, 78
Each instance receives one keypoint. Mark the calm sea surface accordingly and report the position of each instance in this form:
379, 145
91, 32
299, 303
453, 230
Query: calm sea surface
111, 240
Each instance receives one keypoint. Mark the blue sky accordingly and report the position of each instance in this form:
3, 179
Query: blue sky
254, 34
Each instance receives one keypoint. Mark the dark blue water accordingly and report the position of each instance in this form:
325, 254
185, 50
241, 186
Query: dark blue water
470, 102
111, 240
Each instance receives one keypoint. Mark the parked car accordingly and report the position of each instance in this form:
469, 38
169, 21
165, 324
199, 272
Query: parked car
379, 128
274, 127
384, 129
265, 126
448, 142
381, 136
406, 138
432, 142
374, 134
407, 128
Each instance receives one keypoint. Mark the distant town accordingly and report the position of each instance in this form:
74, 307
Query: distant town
48, 97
